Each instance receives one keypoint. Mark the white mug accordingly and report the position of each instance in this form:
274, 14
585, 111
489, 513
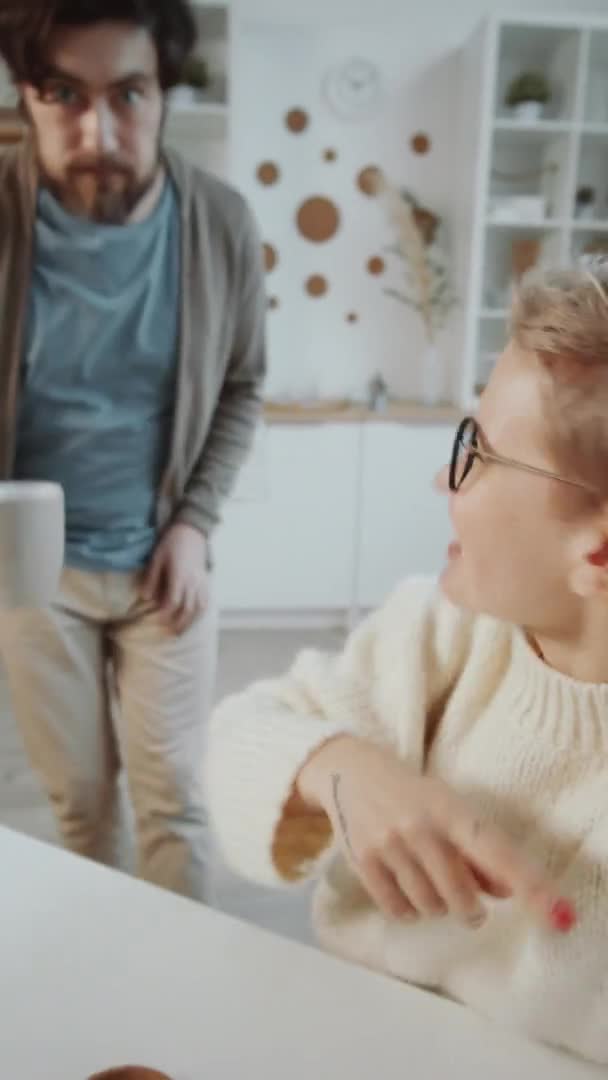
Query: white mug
32, 543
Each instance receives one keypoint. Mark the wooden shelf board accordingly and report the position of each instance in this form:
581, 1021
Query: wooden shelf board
12, 128
599, 130
201, 111
592, 225
535, 127
404, 412
538, 224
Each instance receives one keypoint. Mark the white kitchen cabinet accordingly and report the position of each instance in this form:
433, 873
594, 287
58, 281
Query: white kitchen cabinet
404, 525
287, 541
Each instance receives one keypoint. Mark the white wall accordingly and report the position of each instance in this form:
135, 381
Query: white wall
286, 48
436, 18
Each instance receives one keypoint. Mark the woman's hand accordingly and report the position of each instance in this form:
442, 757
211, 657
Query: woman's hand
417, 846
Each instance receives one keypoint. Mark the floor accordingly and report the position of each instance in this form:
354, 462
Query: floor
244, 656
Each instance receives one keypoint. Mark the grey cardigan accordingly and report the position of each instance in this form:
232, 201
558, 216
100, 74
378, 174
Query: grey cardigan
222, 356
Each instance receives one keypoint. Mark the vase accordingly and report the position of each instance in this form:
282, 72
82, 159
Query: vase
585, 211
528, 111
432, 377
525, 253
183, 97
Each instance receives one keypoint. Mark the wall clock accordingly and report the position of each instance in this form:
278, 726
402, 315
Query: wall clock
354, 89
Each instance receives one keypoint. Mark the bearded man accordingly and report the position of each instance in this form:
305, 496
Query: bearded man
131, 368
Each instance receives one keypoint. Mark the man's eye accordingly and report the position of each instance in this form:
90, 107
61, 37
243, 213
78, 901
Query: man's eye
130, 95
59, 94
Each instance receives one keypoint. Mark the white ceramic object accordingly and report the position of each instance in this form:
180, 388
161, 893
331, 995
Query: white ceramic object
32, 543
515, 208
528, 111
183, 97
586, 212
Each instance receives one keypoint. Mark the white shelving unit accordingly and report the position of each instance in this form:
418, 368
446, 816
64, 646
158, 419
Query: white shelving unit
201, 129
521, 179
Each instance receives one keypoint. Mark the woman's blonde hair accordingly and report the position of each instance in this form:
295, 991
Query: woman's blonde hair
561, 318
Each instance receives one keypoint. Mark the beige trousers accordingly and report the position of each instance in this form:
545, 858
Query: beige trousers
98, 683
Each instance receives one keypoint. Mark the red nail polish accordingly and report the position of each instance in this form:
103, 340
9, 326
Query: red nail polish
563, 916
596, 558
600, 556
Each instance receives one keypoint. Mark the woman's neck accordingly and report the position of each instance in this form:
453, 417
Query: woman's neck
581, 653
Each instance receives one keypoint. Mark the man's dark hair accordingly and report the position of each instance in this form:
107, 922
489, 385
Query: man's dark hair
26, 25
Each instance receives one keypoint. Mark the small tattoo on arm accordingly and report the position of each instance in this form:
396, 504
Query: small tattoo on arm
335, 784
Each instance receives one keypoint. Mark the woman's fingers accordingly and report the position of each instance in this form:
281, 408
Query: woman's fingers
384, 889
489, 887
429, 879
453, 879
413, 880
497, 859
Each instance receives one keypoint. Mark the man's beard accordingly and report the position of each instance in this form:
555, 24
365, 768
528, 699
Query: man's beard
103, 190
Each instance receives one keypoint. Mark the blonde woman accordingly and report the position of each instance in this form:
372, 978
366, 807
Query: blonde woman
446, 776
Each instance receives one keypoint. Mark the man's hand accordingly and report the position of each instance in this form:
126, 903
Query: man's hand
176, 580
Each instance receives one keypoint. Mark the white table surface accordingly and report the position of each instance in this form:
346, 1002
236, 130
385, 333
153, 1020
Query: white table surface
98, 970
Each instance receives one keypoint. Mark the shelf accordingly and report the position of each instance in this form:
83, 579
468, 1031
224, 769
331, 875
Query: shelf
553, 51
345, 412
12, 127
202, 120
547, 156
599, 225
204, 113
596, 111
537, 127
526, 226
201, 111
11, 135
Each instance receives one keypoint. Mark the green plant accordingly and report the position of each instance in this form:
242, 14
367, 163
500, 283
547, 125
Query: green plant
585, 196
529, 86
195, 73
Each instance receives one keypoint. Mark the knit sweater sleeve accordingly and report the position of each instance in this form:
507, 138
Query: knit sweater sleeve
393, 672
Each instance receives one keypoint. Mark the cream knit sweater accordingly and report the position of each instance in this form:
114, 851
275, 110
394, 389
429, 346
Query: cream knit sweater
528, 745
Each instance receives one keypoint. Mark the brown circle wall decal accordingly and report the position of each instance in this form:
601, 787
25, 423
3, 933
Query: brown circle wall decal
318, 219
420, 143
297, 120
368, 178
268, 173
317, 285
376, 265
330, 155
273, 302
352, 317
271, 257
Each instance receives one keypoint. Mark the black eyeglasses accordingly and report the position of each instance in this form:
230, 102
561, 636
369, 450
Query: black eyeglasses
468, 447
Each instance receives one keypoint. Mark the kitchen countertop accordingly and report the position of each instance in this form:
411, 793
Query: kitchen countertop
100, 970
